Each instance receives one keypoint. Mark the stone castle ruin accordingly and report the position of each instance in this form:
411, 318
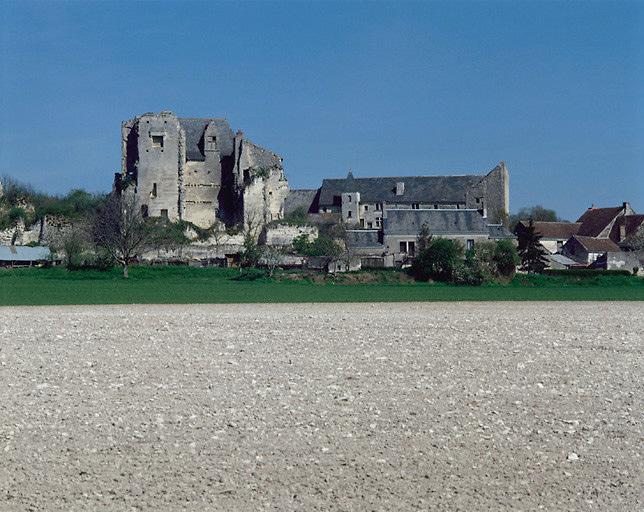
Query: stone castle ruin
197, 170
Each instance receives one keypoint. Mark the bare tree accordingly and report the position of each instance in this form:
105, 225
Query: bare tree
251, 253
272, 256
122, 231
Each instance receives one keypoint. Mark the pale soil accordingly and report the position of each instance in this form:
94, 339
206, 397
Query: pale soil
470, 406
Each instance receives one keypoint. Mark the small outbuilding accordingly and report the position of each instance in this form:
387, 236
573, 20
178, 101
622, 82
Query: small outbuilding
23, 256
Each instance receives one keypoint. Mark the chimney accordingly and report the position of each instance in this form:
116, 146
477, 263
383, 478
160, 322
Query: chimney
400, 188
626, 206
592, 206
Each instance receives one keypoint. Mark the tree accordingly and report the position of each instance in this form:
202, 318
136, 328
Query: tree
533, 254
505, 259
438, 260
272, 256
251, 253
122, 231
635, 242
537, 212
424, 237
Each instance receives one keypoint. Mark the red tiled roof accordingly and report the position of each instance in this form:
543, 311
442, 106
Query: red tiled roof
558, 230
597, 244
595, 220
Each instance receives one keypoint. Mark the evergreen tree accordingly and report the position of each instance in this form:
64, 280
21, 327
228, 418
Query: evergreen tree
533, 254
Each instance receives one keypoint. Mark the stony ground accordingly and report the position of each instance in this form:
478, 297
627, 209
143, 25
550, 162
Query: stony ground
482, 406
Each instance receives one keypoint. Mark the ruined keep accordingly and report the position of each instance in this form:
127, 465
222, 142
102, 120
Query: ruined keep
197, 170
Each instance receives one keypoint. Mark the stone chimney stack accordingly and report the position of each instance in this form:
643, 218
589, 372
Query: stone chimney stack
400, 188
625, 205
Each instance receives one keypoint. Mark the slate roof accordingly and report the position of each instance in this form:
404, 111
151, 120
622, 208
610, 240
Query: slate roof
591, 244
554, 230
595, 220
418, 189
24, 253
500, 232
303, 198
439, 222
363, 238
195, 128
562, 260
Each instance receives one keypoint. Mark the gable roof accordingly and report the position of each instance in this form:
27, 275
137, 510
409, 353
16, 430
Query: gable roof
439, 222
363, 238
555, 230
24, 253
195, 128
632, 223
499, 232
418, 189
595, 220
591, 244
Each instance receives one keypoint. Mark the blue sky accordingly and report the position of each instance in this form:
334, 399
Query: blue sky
406, 88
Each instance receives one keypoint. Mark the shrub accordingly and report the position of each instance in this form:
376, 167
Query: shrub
505, 258
323, 245
438, 261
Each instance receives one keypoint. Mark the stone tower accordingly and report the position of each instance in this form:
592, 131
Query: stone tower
195, 169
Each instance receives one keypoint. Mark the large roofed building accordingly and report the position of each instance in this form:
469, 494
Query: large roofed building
362, 201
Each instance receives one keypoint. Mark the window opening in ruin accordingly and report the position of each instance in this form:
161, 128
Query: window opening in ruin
349, 198
377, 222
154, 190
378, 206
369, 225
403, 246
164, 214
411, 247
415, 206
470, 245
435, 207
348, 214
157, 141
361, 223
366, 207
144, 210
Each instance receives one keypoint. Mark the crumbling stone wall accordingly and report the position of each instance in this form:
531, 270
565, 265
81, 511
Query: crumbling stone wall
283, 235
196, 170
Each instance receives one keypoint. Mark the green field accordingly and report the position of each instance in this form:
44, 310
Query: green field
184, 285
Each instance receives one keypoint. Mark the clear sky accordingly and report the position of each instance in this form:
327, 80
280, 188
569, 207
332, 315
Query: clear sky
402, 88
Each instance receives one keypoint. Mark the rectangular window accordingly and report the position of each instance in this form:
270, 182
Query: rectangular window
349, 214
366, 207
369, 225
164, 214
411, 247
361, 223
378, 206
349, 198
470, 245
435, 207
377, 222
415, 206
153, 194
144, 210
403, 246
157, 141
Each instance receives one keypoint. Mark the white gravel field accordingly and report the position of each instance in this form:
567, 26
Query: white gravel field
317, 407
